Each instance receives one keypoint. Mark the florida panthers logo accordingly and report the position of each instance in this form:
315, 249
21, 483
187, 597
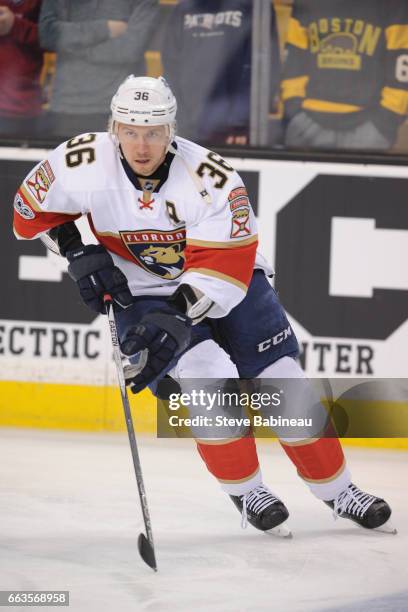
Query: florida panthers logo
159, 252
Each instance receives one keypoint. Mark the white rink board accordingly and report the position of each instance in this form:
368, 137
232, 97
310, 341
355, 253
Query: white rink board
280, 182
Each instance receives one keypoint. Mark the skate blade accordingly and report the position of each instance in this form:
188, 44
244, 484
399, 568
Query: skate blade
388, 527
282, 531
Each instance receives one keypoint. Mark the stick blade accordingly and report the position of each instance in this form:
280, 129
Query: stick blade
146, 551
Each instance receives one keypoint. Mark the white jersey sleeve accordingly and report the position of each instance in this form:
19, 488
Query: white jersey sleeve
221, 231
54, 191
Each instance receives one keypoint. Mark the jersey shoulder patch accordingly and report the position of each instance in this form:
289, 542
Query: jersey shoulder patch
38, 183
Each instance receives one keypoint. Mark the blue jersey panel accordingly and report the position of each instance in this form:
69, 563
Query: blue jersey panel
256, 333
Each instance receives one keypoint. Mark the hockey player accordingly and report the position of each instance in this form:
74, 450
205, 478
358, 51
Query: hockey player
178, 254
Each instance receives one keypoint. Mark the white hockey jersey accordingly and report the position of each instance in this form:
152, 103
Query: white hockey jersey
197, 227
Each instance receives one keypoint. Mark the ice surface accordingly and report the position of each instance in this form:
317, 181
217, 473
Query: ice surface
69, 519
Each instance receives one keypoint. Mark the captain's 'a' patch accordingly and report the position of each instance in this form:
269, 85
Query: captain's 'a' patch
159, 252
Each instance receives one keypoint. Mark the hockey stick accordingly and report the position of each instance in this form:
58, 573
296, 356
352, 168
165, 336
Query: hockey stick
145, 545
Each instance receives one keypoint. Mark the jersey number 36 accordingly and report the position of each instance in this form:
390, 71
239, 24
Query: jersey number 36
220, 177
79, 153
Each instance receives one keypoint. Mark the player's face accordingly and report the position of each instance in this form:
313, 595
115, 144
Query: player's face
144, 147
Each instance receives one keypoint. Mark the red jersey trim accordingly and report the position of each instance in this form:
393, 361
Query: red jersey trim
40, 221
233, 265
112, 242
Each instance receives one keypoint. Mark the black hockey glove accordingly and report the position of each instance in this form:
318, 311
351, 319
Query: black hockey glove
165, 333
95, 273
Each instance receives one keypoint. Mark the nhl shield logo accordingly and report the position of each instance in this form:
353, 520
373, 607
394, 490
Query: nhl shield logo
159, 252
148, 185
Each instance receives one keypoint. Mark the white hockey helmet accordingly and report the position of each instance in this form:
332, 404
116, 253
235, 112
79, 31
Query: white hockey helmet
144, 101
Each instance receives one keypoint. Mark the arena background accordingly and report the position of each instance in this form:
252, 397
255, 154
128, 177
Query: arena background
334, 226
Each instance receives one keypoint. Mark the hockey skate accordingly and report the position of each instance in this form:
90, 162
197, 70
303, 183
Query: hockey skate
366, 510
263, 510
